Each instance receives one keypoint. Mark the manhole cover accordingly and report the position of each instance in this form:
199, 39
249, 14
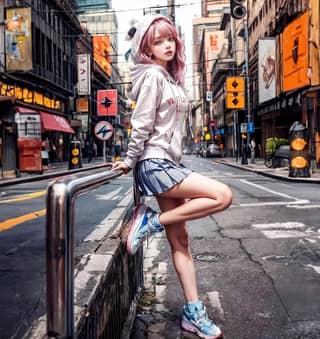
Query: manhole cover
209, 257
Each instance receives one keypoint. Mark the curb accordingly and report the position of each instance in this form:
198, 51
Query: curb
268, 174
40, 177
89, 275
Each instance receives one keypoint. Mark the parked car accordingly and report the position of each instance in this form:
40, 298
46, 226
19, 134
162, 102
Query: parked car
212, 150
186, 151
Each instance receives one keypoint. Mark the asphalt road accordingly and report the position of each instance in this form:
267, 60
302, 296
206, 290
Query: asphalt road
258, 263
22, 245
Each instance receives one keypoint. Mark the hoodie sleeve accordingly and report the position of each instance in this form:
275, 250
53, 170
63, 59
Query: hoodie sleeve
144, 115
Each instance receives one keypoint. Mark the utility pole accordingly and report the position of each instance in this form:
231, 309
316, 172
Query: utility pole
250, 117
171, 11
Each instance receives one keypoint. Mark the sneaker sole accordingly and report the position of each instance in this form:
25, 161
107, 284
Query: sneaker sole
133, 229
190, 328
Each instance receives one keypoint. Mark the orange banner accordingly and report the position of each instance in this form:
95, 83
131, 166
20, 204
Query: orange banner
102, 50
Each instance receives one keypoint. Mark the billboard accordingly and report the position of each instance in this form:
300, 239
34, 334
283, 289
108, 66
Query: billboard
18, 39
267, 69
214, 41
107, 102
295, 53
84, 74
102, 52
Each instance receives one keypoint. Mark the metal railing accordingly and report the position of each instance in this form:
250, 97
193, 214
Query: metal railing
60, 218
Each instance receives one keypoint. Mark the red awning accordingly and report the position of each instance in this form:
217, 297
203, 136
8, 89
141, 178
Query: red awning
25, 110
55, 123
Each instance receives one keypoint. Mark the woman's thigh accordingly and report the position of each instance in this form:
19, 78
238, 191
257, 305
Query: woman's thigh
198, 186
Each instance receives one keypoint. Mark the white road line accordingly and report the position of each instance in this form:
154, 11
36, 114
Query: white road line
214, 300
109, 196
285, 225
280, 234
107, 224
305, 207
268, 190
316, 268
275, 203
296, 201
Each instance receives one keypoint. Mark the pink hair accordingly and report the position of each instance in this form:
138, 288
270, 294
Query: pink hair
165, 28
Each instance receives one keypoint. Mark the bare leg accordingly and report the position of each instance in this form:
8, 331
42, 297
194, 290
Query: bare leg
179, 241
207, 196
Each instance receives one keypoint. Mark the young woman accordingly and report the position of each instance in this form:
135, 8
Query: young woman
154, 151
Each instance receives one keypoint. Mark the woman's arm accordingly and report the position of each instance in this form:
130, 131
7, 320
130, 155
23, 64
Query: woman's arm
143, 117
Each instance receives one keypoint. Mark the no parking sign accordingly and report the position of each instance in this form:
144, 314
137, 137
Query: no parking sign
103, 130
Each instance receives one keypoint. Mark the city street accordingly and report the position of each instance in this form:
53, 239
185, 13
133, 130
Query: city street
22, 245
258, 262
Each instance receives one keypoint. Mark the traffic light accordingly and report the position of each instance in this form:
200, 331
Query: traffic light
75, 158
235, 96
299, 160
237, 8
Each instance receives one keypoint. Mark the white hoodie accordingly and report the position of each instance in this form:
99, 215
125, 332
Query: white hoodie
161, 107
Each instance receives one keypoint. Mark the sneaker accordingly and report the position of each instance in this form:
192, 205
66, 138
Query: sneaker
195, 319
145, 222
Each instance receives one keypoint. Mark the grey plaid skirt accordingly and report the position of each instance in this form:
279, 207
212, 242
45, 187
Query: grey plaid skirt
155, 176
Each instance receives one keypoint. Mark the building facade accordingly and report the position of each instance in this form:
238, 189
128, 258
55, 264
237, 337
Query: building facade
38, 76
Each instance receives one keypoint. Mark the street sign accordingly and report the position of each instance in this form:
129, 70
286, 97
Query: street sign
243, 127
107, 102
235, 97
235, 84
103, 130
235, 100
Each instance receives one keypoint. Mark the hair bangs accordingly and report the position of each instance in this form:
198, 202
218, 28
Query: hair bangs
164, 28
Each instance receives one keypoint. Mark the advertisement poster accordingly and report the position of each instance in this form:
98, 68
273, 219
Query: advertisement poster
267, 69
18, 39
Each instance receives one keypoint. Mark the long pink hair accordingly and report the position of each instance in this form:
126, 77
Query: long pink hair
166, 29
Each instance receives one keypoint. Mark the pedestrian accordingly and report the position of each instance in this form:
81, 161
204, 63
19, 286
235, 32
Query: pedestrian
154, 152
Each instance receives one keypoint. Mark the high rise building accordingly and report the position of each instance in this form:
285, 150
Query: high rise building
93, 5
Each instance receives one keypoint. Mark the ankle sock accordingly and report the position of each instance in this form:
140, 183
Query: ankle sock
193, 305
155, 221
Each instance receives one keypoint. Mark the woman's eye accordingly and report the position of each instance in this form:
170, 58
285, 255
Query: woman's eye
171, 39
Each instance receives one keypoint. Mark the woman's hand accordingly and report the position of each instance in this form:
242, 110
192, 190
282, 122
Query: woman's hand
122, 166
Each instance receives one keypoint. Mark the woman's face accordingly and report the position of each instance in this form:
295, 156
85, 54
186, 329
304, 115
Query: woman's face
163, 49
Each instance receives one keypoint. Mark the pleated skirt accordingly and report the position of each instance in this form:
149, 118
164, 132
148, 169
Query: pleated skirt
155, 176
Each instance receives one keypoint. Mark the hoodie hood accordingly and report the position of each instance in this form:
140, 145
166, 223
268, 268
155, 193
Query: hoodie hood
141, 29
138, 74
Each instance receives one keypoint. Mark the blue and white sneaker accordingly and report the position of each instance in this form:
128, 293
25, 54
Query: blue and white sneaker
145, 222
195, 319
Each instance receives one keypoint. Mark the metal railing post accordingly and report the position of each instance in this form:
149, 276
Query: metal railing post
60, 202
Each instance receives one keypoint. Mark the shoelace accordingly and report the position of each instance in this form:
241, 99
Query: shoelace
203, 317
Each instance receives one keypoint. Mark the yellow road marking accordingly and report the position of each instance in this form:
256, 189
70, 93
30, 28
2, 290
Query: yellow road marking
25, 197
19, 220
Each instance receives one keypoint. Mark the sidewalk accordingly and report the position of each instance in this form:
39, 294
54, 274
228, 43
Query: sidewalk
258, 166
55, 169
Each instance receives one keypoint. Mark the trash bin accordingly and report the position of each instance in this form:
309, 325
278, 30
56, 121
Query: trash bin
75, 157
299, 163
